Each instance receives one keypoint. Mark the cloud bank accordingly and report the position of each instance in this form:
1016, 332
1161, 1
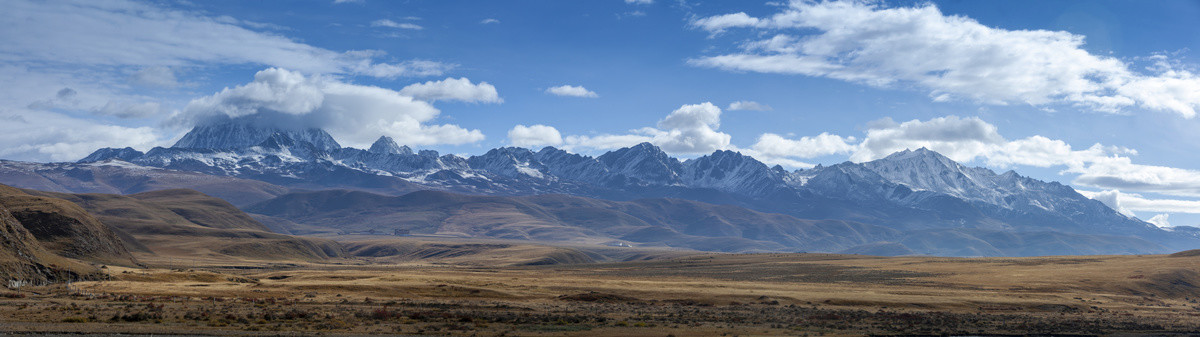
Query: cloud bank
950, 57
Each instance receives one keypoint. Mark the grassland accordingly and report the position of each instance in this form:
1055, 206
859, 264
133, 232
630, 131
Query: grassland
681, 295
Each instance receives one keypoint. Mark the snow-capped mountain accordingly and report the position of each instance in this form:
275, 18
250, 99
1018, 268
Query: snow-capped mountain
387, 145
732, 172
916, 190
643, 165
235, 134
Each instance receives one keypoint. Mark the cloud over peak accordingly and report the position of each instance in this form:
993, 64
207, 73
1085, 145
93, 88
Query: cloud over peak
354, 114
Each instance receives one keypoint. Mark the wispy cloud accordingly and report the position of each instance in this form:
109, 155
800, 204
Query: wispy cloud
749, 105
393, 24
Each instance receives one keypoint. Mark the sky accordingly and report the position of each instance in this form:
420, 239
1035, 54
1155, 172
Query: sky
1100, 95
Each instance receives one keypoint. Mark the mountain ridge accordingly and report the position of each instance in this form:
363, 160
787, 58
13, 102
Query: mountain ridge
908, 190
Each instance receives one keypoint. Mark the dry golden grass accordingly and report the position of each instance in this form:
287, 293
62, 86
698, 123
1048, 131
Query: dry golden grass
699, 294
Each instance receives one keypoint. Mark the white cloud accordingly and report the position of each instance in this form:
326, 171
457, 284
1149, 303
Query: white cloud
1121, 173
775, 146
75, 34
639, 2
690, 129
572, 91
489, 21
719, 23
1161, 220
534, 135
51, 136
961, 139
748, 105
951, 57
460, 89
349, 1
1127, 203
354, 114
606, 141
393, 24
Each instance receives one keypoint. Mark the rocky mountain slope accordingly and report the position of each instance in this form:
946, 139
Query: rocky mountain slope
182, 223
24, 260
65, 228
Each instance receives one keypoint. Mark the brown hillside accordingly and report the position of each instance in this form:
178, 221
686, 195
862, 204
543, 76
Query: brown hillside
185, 224
65, 228
22, 257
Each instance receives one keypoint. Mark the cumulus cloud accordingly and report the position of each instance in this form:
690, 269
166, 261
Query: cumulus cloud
489, 21
1127, 203
1161, 220
534, 135
452, 89
951, 57
84, 33
572, 91
354, 114
748, 105
775, 146
393, 24
690, 129
639, 2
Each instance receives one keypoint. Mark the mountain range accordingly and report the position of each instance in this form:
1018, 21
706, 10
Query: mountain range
916, 201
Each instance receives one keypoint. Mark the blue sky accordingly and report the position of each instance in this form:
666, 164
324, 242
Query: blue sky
1099, 95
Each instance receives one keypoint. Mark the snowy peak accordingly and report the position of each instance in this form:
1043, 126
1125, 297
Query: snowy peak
643, 164
572, 166
731, 171
928, 170
125, 154
386, 145
509, 161
236, 134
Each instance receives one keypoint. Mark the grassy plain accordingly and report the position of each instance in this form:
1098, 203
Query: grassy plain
684, 294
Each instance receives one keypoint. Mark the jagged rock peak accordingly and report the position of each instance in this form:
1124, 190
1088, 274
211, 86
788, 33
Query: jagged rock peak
386, 145
645, 163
